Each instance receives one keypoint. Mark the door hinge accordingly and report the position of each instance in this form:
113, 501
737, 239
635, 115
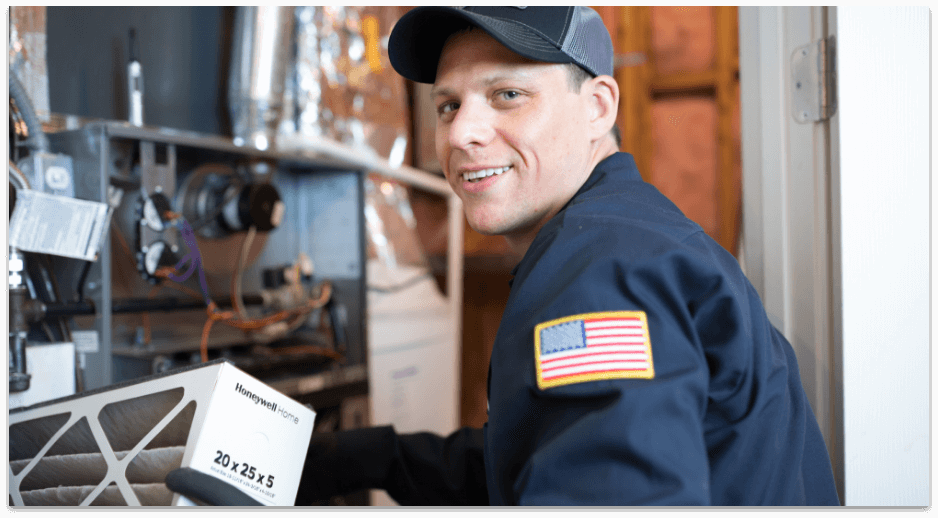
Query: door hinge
814, 87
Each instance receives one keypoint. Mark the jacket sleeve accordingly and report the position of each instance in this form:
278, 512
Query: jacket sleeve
623, 441
415, 469
433, 470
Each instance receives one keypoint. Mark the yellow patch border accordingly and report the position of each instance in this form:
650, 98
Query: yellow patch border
648, 373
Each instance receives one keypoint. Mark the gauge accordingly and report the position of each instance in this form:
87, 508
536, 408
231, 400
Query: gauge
153, 256
156, 209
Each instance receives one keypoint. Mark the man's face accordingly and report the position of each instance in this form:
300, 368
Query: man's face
511, 135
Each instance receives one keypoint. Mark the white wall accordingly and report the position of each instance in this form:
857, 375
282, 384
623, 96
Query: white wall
883, 187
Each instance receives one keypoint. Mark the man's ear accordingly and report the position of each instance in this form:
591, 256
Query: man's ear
604, 105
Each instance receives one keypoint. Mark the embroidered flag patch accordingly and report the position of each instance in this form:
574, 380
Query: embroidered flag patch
593, 346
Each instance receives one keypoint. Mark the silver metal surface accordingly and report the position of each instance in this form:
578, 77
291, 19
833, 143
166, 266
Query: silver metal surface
49, 172
813, 74
262, 37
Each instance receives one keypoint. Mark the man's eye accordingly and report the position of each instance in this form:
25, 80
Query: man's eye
447, 108
509, 94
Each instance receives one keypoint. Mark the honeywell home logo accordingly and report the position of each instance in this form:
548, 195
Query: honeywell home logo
282, 412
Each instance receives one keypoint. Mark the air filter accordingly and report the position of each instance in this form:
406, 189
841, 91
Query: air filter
115, 445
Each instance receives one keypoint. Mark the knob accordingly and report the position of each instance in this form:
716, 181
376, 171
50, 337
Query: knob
152, 257
258, 205
155, 210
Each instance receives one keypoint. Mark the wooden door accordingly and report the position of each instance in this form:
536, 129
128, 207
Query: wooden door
678, 75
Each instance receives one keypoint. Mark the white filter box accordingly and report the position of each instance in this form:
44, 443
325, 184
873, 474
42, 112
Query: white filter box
115, 445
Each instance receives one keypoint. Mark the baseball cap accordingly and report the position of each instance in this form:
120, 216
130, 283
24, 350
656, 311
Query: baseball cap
571, 34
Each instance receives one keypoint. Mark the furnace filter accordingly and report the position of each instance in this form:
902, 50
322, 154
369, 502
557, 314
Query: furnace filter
115, 445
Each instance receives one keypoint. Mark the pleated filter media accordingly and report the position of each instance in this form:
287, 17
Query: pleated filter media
115, 446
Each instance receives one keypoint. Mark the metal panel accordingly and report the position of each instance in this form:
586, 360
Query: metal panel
183, 51
325, 223
324, 220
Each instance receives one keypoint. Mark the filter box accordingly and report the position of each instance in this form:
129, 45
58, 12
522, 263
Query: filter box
115, 445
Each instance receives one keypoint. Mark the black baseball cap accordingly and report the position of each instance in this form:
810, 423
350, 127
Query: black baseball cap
572, 34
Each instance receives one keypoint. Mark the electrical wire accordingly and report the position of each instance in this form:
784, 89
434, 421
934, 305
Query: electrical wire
17, 178
237, 319
236, 297
231, 319
37, 141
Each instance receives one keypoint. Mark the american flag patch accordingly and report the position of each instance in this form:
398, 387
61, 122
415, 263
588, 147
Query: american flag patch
593, 346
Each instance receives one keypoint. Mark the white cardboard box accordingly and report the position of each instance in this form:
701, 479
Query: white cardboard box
115, 445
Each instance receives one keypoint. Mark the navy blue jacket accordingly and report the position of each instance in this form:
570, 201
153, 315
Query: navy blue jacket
703, 407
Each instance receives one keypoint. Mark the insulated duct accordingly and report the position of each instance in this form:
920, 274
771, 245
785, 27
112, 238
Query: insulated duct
261, 48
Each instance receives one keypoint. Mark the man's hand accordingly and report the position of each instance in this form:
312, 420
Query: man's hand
339, 463
207, 489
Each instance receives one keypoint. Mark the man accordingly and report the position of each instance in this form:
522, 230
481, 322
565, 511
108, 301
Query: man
634, 364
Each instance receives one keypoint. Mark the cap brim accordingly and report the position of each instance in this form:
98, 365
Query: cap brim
417, 40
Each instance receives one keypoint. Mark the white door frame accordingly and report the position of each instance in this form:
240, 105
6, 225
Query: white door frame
786, 208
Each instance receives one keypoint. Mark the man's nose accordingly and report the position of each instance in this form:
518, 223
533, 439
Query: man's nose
472, 126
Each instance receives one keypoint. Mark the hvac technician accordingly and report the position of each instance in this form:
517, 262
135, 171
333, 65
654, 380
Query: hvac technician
635, 364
